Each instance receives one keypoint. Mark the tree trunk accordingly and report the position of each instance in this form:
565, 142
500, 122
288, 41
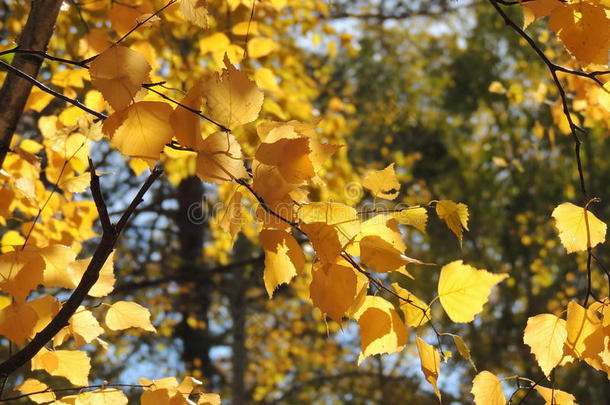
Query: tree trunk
15, 90
195, 299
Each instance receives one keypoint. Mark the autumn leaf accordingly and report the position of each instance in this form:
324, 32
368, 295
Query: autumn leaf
555, 396
430, 364
219, 159
31, 385
195, 11
487, 389
382, 183
71, 364
416, 312
416, 217
231, 98
105, 281
141, 130
571, 221
463, 290
455, 216
381, 329
17, 322
118, 73
545, 334
284, 258
185, 124
334, 288
124, 315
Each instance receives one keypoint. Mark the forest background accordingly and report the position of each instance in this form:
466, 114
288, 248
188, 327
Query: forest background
477, 105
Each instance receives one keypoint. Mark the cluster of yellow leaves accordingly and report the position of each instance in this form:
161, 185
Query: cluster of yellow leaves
584, 335
582, 26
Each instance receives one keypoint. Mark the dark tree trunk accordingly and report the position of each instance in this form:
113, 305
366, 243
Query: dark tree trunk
15, 90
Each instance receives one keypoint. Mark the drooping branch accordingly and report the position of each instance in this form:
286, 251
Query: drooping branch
88, 280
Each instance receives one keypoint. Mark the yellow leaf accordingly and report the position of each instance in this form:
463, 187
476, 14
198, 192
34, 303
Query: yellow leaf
265, 79
17, 322
231, 98
245, 28
416, 312
84, 327
342, 217
454, 215
76, 184
71, 364
430, 363
383, 183
381, 329
105, 282
289, 152
555, 396
231, 221
324, 239
584, 30
118, 74
416, 217
195, 11
217, 42
463, 290
487, 389
219, 159
545, 334
284, 258
123, 315
20, 272
334, 288
572, 226
57, 259
259, 47
586, 335
140, 130
380, 255
46, 308
32, 385
11, 239
186, 125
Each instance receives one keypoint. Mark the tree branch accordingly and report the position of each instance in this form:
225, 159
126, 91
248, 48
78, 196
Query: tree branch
103, 250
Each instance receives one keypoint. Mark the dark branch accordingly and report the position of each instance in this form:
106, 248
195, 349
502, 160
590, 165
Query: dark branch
88, 280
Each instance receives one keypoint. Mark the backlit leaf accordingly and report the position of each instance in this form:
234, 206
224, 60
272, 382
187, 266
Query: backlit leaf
283, 258
382, 183
463, 290
231, 98
430, 364
487, 389
572, 226
123, 315
118, 73
545, 334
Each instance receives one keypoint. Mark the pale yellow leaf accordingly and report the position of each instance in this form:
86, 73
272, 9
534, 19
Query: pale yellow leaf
545, 334
32, 385
430, 364
487, 389
284, 258
463, 290
455, 216
383, 183
555, 396
123, 315
573, 229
